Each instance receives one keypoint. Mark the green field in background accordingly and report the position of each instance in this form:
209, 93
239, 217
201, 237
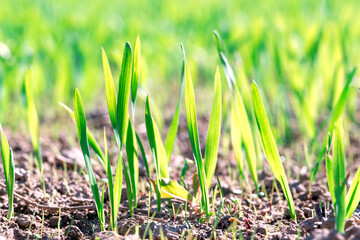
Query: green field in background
298, 51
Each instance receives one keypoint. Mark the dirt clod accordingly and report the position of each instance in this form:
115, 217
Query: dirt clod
23, 221
74, 233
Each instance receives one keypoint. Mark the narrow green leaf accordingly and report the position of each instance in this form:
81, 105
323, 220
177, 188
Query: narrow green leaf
244, 124
118, 181
113, 211
11, 180
129, 189
122, 114
229, 73
219, 42
340, 104
92, 141
9, 171
191, 118
5, 154
353, 195
329, 169
155, 142
33, 121
337, 111
269, 146
247, 136
214, 131
172, 189
157, 149
83, 139
135, 72
235, 135
191, 121
339, 172
170, 139
131, 153
110, 89
143, 154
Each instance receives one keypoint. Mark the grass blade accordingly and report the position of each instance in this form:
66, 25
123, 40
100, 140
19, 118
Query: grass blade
269, 146
172, 189
244, 124
214, 131
122, 114
5, 154
170, 139
235, 135
113, 211
157, 149
135, 73
83, 139
131, 153
329, 169
338, 110
128, 187
191, 121
118, 182
229, 73
247, 136
110, 89
155, 142
9, 171
33, 121
143, 154
353, 195
339, 172
92, 141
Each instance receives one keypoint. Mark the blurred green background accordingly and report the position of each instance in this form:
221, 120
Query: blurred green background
298, 51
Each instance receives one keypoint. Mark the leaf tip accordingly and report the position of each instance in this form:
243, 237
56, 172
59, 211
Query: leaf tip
127, 45
77, 95
253, 84
217, 71
103, 53
183, 51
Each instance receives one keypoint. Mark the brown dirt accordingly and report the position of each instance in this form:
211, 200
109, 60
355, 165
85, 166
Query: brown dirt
259, 215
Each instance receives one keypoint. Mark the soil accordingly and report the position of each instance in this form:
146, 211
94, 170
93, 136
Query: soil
256, 215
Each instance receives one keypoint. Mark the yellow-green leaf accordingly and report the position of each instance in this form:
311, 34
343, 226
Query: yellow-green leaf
269, 146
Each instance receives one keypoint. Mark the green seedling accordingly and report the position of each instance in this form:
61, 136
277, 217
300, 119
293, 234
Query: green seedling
353, 195
9, 171
337, 111
59, 221
164, 187
114, 187
92, 141
206, 167
83, 139
121, 124
157, 149
344, 204
269, 146
339, 176
135, 74
329, 169
119, 117
33, 124
240, 125
143, 154
173, 128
